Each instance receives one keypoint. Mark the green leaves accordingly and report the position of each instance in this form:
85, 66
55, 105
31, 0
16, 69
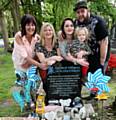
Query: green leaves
4, 4
104, 8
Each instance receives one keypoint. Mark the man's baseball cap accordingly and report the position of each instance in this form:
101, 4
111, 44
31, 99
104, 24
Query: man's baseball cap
80, 4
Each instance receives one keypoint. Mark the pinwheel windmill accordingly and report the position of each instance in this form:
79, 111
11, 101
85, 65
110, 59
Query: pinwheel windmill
98, 80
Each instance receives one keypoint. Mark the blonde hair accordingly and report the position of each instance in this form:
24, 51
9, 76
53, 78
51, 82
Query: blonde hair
42, 40
78, 29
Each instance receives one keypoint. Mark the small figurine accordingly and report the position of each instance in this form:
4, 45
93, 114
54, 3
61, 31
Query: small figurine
65, 102
40, 104
77, 102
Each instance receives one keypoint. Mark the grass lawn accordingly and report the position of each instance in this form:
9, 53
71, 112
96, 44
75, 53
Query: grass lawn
7, 77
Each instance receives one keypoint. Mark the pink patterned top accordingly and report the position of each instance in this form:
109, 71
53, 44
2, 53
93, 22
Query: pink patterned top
20, 52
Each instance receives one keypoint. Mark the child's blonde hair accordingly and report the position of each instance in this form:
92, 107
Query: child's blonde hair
79, 29
42, 33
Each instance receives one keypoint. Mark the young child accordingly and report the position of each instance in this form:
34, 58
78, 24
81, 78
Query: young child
80, 48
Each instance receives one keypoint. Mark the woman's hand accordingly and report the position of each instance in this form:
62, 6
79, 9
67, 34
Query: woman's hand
81, 54
51, 62
57, 58
18, 38
43, 66
26, 65
82, 62
60, 36
54, 60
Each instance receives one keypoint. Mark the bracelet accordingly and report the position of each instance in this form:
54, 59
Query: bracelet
75, 62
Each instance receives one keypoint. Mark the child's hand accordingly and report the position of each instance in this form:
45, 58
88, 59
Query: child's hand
80, 54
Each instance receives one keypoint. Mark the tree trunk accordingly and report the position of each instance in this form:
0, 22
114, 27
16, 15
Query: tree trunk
39, 18
15, 14
4, 30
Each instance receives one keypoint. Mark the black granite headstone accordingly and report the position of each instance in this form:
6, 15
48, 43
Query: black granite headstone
63, 81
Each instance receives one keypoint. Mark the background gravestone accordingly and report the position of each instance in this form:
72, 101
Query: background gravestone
113, 39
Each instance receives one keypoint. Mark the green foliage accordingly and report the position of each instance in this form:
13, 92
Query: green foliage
56, 10
104, 8
4, 4
32, 7
47, 12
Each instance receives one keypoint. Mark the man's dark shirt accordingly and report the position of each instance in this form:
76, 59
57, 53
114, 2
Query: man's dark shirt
98, 31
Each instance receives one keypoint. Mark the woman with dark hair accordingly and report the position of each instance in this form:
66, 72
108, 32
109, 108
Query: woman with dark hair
67, 32
27, 19
23, 56
64, 34
24, 44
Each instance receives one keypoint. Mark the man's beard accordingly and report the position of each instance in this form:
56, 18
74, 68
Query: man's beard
84, 19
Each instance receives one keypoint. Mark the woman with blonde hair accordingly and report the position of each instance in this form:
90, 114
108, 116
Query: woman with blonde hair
47, 49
